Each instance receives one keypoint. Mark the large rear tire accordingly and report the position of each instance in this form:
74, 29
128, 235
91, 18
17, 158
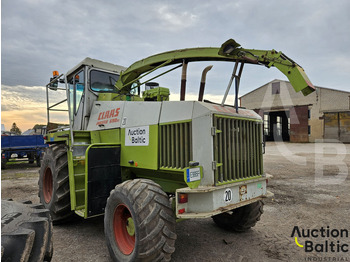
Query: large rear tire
240, 219
139, 222
26, 232
54, 183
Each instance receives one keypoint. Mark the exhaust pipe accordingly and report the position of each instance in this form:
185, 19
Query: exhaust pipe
202, 85
183, 81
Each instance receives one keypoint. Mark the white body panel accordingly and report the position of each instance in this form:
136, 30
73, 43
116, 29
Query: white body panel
141, 114
174, 111
208, 201
106, 115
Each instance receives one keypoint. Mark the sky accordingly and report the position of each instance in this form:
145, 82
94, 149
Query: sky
39, 36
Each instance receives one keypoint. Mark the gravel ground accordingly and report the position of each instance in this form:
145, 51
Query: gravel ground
311, 186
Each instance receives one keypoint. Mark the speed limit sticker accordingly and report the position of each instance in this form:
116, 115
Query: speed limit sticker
228, 195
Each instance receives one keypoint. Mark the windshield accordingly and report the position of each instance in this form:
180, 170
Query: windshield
102, 81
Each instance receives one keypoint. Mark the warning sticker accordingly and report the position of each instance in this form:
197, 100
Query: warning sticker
137, 136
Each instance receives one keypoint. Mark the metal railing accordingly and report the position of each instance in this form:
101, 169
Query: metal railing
54, 107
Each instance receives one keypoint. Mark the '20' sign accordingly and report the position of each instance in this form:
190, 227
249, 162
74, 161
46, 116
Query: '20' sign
228, 195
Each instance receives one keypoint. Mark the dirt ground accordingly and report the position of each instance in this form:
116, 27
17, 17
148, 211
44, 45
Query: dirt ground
312, 191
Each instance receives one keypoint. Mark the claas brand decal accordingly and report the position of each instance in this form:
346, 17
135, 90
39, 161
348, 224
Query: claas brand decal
137, 136
108, 116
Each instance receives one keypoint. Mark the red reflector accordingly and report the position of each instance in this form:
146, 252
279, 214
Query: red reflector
181, 211
183, 198
267, 181
45, 137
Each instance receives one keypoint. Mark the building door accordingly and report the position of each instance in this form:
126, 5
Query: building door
299, 124
276, 126
344, 127
337, 126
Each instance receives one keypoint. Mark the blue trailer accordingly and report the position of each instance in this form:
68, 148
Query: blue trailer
19, 147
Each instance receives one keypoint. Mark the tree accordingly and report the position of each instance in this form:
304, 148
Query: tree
15, 129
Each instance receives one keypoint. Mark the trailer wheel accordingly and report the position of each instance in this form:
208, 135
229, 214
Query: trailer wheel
139, 222
26, 232
3, 163
54, 183
30, 158
38, 161
240, 219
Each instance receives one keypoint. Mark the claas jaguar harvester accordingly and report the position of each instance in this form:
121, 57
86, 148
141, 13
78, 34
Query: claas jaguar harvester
145, 162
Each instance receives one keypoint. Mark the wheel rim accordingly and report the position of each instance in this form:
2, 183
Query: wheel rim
47, 185
124, 229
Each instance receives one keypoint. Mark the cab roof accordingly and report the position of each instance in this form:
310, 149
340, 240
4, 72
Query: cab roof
97, 64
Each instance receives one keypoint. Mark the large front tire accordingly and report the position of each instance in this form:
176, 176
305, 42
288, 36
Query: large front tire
54, 183
240, 219
139, 222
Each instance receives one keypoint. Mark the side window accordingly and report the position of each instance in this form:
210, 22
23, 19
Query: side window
79, 89
71, 100
135, 89
76, 89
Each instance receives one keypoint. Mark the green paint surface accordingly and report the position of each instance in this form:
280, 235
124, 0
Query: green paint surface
140, 156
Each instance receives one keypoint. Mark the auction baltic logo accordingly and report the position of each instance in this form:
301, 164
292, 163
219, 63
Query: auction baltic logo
324, 240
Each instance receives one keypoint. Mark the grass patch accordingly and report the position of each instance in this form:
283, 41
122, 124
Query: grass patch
18, 175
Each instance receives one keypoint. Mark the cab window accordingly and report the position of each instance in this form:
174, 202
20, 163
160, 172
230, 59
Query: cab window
102, 81
76, 86
79, 89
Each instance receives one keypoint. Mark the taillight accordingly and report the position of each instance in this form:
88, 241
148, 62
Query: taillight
181, 211
183, 198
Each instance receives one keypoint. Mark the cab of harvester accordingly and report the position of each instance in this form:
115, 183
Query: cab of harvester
144, 161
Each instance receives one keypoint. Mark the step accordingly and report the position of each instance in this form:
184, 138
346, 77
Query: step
81, 211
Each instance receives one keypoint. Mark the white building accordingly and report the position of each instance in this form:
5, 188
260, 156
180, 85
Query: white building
290, 116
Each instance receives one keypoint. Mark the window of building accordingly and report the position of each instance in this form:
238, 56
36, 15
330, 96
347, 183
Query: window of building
279, 125
308, 114
309, 130
276, 88
288, 124
266, 124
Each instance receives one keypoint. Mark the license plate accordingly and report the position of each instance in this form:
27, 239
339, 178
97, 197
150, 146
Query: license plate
193, 174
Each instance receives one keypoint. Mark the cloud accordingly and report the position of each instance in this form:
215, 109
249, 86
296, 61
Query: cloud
175, 21
40, 36
27, 106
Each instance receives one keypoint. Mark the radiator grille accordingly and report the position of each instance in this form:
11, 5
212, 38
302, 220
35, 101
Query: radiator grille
175, 145
237, 149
